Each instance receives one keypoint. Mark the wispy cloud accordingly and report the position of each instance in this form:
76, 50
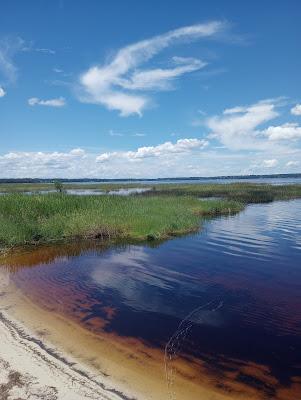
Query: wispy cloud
44, 50
112, 133
57, 102
115, 84
293, 164
9, 46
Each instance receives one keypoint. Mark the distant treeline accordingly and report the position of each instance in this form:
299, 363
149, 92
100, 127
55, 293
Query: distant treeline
50, 180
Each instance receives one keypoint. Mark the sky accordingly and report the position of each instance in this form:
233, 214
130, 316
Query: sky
137, 89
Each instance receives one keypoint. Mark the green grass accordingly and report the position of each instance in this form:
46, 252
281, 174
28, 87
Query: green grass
55, 217
166, 210
243, 192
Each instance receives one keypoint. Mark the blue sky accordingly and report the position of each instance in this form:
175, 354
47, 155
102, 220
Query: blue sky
149, 89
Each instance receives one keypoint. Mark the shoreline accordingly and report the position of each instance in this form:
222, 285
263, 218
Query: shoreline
58, 351
44, 372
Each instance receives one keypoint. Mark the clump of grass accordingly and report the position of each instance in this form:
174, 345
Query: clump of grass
53, 217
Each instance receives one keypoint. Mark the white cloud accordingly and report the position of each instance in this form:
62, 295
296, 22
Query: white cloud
2, 92
296, 110
58, 102
159, 79
270, 163
78, 152
240, 127
112, 83
288, 131
236, 128
158, 161
167, 148
292, 163
39, 163
139, 134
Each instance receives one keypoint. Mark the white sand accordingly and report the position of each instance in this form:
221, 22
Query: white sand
29, 370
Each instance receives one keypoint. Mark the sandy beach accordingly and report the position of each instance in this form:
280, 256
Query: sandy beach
30, 368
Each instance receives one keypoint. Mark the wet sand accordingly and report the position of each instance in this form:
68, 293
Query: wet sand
47, 353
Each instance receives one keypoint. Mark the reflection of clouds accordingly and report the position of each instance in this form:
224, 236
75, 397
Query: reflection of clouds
147, 287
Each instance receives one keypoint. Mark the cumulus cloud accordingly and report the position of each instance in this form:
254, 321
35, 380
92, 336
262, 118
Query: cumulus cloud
58, 102
2, 92
167, 148
292, 163
296, 110
270, 163
39, 163
242, 127
158, 161
115, 84
283, 132
236, 128
78, 152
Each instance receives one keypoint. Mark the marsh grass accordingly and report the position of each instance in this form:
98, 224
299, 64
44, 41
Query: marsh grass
242, 192
57, 216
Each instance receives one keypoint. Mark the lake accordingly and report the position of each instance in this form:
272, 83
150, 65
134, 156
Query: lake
219, 308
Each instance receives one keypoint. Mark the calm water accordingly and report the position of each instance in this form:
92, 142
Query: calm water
89, 192
271, 181
229, 294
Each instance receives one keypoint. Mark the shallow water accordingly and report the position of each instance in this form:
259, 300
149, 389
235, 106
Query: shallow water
229, 295
271, 181
89, 192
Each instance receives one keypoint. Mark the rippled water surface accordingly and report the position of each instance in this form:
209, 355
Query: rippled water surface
229, 295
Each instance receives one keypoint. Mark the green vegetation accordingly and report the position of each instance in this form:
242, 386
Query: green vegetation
242, 192
54, 217
166, 210
58, 186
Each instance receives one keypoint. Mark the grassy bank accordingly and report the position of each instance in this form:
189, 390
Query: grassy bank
53, 217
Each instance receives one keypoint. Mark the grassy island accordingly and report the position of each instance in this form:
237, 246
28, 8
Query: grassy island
42, 218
